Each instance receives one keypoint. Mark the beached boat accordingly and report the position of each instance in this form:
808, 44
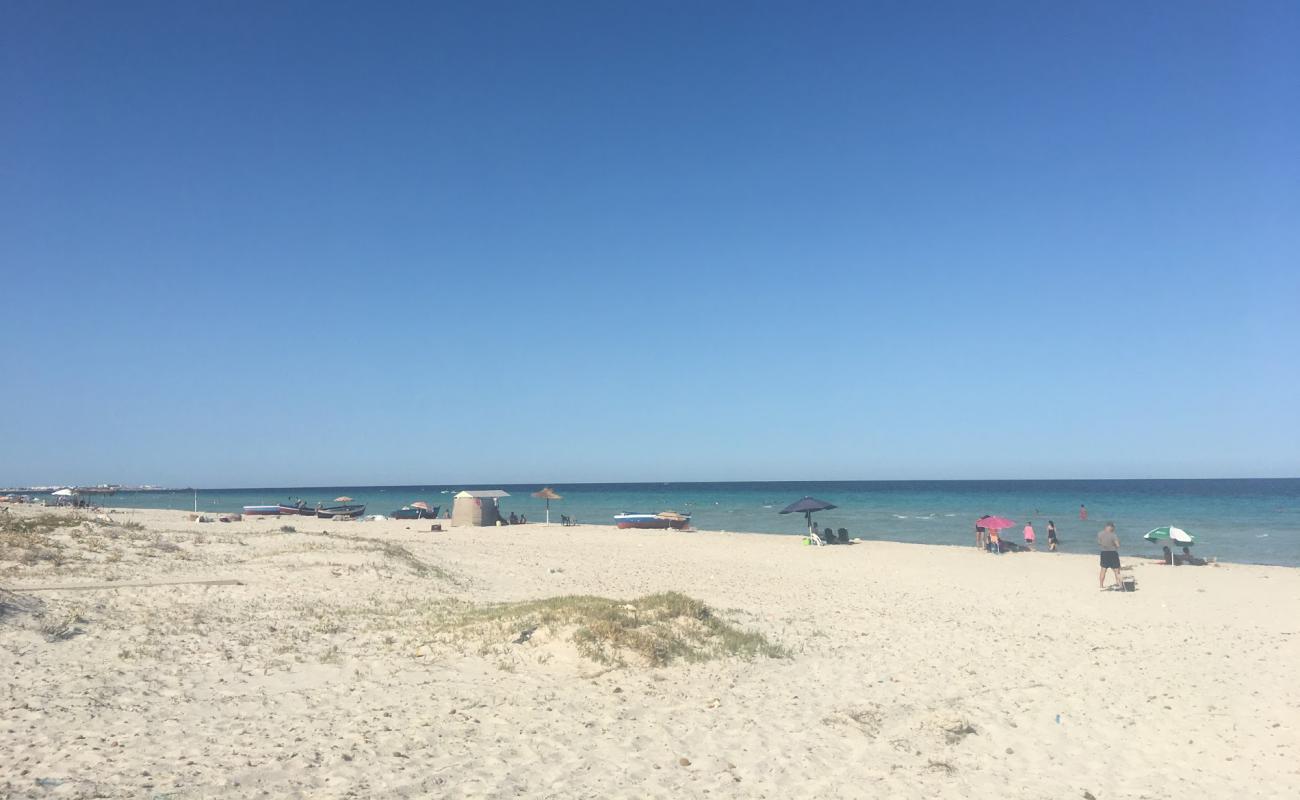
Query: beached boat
341, 511
409, 512
296, 508
261, 511
660, 521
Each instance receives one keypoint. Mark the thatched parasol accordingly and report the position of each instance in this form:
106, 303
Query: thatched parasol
548, 494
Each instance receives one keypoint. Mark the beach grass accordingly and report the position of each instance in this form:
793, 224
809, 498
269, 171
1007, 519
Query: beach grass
27, 540
397, 553
654, 630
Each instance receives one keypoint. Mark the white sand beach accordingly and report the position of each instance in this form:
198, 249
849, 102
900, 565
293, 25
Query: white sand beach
235, 660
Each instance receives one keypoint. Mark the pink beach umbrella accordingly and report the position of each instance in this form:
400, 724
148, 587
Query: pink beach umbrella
995, 523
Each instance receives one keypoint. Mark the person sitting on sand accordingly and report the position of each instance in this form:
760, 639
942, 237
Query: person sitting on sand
514, 520
523, 520
1108, 543
995, 541
1051, 536
1188, 559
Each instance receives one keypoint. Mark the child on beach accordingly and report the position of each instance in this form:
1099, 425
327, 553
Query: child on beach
1029, 535
1051, 536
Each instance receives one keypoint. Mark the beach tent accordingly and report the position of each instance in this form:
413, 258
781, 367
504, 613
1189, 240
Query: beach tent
477, 508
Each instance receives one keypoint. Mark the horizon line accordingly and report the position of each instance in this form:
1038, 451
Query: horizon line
479, 484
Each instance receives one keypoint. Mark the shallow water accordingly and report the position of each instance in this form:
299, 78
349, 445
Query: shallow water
1251, 520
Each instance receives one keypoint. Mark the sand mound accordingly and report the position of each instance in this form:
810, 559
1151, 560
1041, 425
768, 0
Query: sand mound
654, 630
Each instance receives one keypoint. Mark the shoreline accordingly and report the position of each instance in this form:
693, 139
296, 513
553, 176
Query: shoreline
1238, 521
614, 529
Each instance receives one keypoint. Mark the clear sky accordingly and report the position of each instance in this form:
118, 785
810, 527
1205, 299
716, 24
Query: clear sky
308, 243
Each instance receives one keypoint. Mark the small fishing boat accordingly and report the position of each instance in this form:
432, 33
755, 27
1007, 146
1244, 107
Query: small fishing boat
661, 521
412, 512
261, 511
352, 511
296, 508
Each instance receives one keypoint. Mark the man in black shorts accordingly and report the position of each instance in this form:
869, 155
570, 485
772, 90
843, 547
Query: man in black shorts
1109, 544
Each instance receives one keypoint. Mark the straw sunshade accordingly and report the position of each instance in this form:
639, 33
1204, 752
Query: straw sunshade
548, 494
420, 504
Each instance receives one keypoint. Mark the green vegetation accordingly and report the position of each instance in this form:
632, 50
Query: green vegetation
654, 630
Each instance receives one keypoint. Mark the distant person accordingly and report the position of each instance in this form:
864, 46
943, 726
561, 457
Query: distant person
1083, 512
1029, 535
514, 520
980, 537
1167, 556
1189, 559
995, 541
523, 520
1108, 543
1051, 536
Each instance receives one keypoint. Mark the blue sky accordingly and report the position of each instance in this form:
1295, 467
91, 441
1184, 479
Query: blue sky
311, 243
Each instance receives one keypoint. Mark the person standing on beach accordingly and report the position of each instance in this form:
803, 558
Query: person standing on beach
1108, 543
1083, 513
979, 536
1051, 536
1029, 535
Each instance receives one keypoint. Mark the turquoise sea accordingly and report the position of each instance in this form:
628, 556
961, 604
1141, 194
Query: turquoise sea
1248, 520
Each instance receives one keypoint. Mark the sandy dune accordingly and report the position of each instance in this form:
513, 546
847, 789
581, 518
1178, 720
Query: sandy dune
314, 664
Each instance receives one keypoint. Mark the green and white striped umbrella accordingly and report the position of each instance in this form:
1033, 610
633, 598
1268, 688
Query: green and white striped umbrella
1171, 533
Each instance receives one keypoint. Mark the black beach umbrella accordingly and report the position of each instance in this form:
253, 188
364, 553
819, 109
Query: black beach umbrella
807, 505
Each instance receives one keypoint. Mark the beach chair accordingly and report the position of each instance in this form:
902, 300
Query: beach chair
828, 536
843, 535
816, 538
